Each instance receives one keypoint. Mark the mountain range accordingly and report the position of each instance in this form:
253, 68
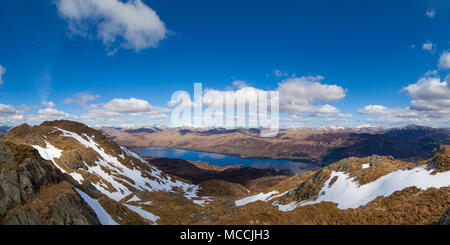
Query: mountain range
322, 146
64, 172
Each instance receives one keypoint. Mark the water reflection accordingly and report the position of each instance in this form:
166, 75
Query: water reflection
221, 159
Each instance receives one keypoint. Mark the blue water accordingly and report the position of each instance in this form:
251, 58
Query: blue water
221, 159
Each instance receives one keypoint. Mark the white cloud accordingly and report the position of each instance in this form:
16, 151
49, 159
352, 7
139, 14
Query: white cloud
431, 13
303, 95
326, 111
131, 105
48, 103
428, 46
6, 110
130, 25
2, 71
430, 95
81, 99
52, 113
374, 110
444, 60
297, 95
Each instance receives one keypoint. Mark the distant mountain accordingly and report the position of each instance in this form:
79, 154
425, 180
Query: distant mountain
322, 146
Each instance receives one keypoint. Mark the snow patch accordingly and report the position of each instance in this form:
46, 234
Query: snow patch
103, 216
258, 197
144, 214
347, 193
50, 152
134, 199
143, 180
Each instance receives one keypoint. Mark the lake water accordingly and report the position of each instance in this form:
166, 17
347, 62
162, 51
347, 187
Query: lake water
221, 159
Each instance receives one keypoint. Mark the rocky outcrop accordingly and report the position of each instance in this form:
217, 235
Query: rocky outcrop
440, 160
23, 176
70, 210
445, 219
376, 167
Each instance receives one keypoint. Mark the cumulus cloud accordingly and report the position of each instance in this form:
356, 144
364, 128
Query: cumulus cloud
131, 24
431, 13
48, 103
374, 110
297, 95
7, 110
392, 115
303, 95
430, 100
81, 99
131, 106
52, 113
47, 114
2, 71
326, 111
444, 60
430, 95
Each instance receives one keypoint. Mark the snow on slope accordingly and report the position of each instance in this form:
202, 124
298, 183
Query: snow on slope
102, 215
347, 193
50, 153
140, 179
258, 197
144, 214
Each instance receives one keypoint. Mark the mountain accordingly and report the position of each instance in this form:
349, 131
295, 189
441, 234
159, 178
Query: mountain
100, 171
322, 146
64, 172
32, 192
371, 190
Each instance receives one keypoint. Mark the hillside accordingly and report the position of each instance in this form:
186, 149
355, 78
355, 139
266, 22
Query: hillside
322, 146
101, 170
64, 172
189, 171
372, 190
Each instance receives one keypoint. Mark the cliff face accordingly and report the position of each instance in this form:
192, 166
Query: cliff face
32, 192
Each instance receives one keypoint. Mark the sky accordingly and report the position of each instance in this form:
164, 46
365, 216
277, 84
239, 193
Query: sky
118, 62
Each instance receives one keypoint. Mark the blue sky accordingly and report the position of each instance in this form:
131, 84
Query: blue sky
50, 51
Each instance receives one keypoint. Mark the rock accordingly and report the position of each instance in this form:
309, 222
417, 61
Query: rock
445, 219
24, 217
6, 156
71, 210
203, 216
73, 160
23, 174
